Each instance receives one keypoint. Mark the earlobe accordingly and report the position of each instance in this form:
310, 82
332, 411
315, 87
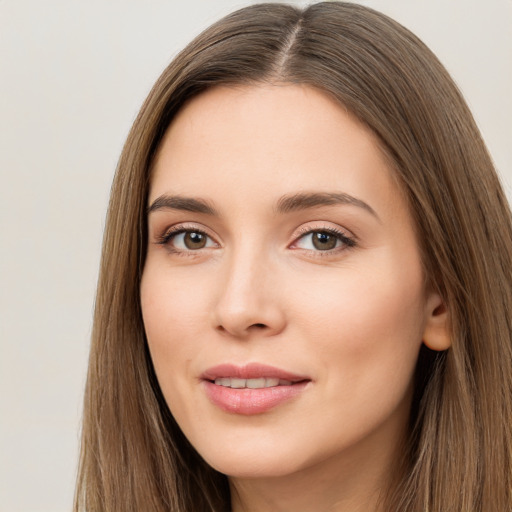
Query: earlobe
437, 334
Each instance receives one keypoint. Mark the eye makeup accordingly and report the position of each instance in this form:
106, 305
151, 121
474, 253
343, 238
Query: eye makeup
186, 239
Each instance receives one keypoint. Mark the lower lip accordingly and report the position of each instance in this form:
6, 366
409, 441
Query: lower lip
251, 401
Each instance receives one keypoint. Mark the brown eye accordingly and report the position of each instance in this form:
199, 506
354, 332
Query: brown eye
324, 241
184, 240
194, 240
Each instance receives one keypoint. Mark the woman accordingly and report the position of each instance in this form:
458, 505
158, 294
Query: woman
305, 292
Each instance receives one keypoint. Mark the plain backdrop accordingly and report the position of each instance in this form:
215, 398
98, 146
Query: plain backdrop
73, 74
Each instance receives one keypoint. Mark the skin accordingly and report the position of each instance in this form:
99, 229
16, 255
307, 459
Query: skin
351, 318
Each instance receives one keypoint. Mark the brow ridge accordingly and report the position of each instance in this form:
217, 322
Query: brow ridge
285, 204
306, 200
189, 204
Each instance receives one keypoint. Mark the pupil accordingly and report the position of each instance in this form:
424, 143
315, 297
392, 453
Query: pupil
324, 241
195, 240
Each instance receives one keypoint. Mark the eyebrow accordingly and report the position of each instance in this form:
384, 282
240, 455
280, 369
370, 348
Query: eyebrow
306, 200
285, 204
188, 204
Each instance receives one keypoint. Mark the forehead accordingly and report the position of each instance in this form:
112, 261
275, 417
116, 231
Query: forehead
270, 140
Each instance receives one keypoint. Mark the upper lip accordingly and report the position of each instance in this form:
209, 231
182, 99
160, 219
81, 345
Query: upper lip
250, 371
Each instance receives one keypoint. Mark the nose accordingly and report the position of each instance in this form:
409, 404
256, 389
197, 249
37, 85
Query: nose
248, 302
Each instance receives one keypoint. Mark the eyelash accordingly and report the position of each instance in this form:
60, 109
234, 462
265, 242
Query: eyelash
347, 242
167, 236
173, 232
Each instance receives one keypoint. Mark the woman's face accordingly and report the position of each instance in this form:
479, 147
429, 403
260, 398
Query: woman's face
283, 295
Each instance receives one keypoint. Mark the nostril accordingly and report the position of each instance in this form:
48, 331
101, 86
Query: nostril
260, 326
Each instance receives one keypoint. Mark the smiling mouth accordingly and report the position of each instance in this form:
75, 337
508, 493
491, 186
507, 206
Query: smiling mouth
236, 383
251, 389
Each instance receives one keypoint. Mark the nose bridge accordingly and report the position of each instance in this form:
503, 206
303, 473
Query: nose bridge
247, 299
242, 272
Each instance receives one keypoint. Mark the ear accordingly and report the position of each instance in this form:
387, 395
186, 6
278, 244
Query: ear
437, 334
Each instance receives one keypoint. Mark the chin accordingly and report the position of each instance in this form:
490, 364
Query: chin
253, 469
254, 462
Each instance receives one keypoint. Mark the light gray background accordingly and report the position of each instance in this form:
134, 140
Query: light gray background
73, 74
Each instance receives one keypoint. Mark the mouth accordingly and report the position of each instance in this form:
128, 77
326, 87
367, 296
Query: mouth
264, 382
251, 389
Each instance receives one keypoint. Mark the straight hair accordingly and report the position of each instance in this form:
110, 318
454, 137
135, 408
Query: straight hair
458, 456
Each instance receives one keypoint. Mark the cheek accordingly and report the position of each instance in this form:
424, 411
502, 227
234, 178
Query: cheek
366, 326
163, 298
170, 313
385, 299
172, 300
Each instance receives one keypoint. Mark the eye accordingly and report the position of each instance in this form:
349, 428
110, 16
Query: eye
323, 240
182, 240
191, 240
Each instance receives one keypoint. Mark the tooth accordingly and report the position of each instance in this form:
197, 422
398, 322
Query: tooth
255, 383
238, 383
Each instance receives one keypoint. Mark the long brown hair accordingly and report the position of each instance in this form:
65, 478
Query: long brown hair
459, 454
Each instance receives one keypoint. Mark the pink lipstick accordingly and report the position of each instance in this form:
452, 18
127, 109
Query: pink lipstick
251, 389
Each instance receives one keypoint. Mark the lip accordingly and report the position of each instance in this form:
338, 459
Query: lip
251, 401
250, 371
